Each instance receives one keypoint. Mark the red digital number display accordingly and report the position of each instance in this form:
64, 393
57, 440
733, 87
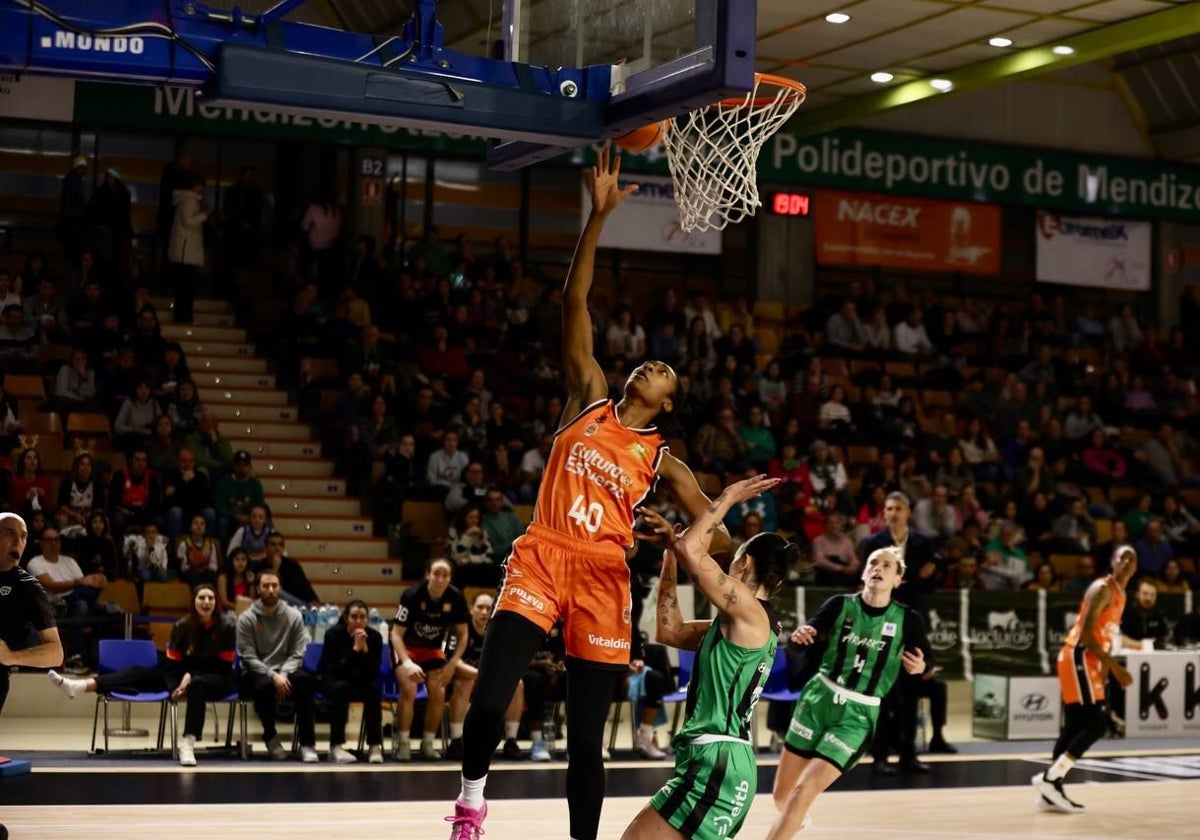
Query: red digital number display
790, 204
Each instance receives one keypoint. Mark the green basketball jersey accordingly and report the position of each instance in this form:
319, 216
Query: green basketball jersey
865, 646
726, 682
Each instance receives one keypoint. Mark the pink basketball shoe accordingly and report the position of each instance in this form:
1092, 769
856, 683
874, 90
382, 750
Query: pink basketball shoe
467, 823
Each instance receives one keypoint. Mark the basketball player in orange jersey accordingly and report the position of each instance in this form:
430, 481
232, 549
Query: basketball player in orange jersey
1084, 664
570, 564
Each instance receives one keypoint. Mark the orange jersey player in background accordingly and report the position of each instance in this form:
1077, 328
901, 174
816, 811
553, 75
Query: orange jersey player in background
1084, 664
570, 564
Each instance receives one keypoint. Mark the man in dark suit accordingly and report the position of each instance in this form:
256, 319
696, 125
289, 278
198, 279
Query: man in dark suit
898, 716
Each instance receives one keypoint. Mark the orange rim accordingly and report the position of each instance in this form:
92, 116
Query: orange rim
798, 91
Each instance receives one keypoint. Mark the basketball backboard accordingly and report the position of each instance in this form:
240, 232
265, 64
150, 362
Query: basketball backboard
668, 56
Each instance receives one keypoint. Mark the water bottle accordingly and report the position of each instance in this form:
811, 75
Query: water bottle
548, 732
310, 623
375, 622
323, 621
922, 738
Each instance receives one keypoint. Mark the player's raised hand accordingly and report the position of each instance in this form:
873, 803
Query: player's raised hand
749, 488
602, 180
655, 529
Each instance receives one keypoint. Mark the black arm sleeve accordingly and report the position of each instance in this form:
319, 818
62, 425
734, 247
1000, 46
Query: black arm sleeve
915, 638
827, 614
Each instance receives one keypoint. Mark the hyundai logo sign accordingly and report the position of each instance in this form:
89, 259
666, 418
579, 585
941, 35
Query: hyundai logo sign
1034, 702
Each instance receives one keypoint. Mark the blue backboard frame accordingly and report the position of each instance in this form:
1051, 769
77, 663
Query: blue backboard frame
722, 64
537, 110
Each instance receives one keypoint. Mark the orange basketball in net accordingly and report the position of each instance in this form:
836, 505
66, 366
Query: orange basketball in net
643, 139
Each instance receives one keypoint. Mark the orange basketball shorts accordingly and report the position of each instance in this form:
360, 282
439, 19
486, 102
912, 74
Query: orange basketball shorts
1081, 675
550, 576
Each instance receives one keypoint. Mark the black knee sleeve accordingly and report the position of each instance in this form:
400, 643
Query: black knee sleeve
508, 647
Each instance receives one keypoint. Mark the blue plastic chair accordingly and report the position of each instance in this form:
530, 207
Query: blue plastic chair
312, 661
776, 689
687, 659
238, 707
117, 655
390, 692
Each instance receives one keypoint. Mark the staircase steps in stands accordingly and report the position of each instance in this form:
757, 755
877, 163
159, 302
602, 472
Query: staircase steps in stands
276, 448
326, 531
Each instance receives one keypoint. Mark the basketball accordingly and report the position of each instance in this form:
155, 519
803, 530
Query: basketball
643, 139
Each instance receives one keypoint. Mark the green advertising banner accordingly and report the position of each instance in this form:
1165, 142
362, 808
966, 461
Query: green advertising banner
945, 632
900, 164
1061, 612
184, 110
960, 170
1003, 632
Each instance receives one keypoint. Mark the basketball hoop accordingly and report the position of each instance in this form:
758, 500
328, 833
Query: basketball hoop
713, 152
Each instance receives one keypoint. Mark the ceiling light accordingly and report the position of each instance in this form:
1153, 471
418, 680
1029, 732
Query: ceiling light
881, 77
837, 17
1000, 42
1063, 49
941, 84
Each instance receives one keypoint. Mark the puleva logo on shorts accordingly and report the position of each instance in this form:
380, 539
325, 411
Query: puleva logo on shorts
723, 822
837, 742
607, 642
800, 729
527, 598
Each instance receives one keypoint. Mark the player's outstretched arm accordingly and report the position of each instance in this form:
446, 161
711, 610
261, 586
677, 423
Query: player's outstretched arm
584, 378
692, 499
730, 596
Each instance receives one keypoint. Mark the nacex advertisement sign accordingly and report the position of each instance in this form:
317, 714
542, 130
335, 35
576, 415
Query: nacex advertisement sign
900, 232
1087, 251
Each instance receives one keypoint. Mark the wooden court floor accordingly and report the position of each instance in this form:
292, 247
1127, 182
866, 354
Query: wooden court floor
1116, 811
1129, 795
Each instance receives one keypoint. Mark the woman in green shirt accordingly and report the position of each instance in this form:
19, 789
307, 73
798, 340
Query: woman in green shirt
715, 774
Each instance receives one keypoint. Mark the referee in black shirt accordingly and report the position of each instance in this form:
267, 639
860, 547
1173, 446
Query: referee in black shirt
23, 605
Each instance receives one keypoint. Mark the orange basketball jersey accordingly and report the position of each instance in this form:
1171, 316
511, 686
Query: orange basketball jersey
1108, 623
598, 471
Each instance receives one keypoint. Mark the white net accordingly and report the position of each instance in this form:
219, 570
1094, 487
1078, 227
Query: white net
713, 153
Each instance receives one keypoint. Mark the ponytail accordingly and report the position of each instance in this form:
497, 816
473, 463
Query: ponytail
773, 558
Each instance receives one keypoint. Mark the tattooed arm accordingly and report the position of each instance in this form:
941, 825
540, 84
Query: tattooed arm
740, 614
672, 629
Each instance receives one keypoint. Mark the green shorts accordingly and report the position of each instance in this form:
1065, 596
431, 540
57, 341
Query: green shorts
824, 728
710, 794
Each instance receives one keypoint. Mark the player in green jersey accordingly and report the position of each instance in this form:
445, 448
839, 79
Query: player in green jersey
867, 639
715, 774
